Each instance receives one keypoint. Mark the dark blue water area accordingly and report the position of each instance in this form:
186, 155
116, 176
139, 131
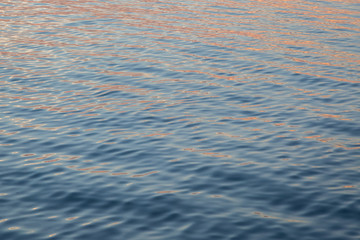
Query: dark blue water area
192, 120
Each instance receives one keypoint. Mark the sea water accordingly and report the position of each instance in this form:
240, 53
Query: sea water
184, 120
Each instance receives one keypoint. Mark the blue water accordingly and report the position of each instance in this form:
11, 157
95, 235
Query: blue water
189, 120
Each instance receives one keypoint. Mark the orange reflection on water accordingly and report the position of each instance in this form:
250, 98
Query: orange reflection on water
44, 156
195, 193
216, 154
3, 220
315, 136
119, 173
144, 174
87, 169
265, 31
330, 116
227, 134
338, 145
71, 218
100, 171
168, 191
216, 196
14, 228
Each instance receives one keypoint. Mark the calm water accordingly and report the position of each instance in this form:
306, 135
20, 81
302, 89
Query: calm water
184, 120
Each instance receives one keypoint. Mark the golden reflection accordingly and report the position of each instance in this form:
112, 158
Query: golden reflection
272, 217
119, 173
227, 134
54, 160
70, 157
113, 224
216, 154
196, 150
144, 174
175, 160
100, 171
87, 223
59, 173
315, 136
195, 193
72, 166
14, 228
44, 156
279, 124
28, 154
216, 196
330, 116
165, 192
3, 132
198, 23
87, 169
6, 144
338, 145
158, 134
157, 110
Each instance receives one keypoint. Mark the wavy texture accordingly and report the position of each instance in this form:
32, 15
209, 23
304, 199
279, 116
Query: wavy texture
179, 119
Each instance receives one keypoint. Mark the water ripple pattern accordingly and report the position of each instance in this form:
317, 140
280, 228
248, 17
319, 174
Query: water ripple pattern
184, 120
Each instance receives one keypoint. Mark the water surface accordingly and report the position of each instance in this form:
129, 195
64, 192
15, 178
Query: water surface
186, 120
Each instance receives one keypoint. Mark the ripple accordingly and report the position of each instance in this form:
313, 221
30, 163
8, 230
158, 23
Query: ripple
179, 120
